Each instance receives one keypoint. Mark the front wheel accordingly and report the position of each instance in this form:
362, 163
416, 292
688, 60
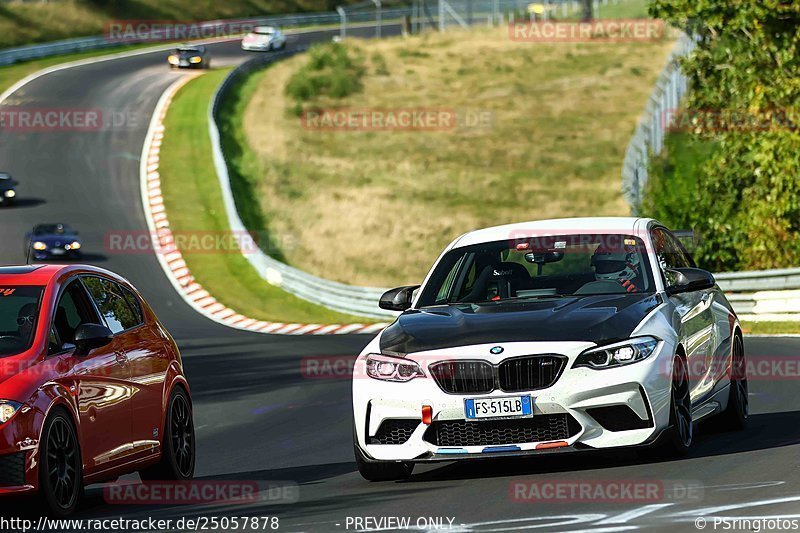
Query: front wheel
60, 469
178, 449
381, 470
735, 415
677, 439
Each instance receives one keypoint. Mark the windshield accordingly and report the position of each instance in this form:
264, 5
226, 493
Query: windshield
541, 267
48, 229
187, 50
19, 309
264, 31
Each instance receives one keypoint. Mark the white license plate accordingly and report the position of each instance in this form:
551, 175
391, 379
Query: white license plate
57, 251
514, 406
184, 63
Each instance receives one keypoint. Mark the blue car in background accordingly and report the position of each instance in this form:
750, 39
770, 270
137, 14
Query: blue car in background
8, 191
52, 241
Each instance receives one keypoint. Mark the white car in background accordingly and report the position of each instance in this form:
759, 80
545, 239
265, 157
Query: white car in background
558, 335
264, 39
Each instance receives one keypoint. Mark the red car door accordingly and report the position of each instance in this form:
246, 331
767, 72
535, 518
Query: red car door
145, 356
149, 363
100, 382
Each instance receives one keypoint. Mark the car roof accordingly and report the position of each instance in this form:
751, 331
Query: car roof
265, 28
558, 226
44, 274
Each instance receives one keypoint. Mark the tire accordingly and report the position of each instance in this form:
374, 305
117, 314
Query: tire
677, 439
380, 470
61, 466
734, 418
178, 449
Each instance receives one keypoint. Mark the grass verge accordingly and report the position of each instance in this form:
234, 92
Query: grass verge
193, 201
770, 328
540, 132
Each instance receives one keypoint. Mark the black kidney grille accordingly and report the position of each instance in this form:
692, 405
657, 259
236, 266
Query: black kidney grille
464, 376
530, 373
512, 375
12, 469
395, 431
539, 428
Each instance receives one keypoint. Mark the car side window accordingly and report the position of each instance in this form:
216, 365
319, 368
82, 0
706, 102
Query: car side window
136, 307
112, 304
668, 252
53, 344
72, 310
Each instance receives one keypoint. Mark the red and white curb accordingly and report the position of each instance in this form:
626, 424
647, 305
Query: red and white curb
172, 261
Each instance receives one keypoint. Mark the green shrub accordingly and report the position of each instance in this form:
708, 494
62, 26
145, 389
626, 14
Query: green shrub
332, 70
744, 198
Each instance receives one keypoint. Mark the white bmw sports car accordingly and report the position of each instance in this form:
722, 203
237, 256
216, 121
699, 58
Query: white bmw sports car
545, 337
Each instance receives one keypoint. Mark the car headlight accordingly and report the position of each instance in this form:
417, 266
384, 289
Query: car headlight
388, 368
73, 246
618, 354
173, 60
7, 410
10, 193
39, 245
195, 59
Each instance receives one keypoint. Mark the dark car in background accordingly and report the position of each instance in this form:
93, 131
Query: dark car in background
52, 241
8, 192
186, 56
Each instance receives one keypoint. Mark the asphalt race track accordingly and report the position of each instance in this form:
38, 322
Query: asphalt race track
259, 418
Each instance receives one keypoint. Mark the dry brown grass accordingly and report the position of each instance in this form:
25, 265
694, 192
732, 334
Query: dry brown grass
377, 207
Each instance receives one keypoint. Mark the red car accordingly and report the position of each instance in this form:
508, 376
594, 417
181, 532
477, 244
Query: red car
91, 386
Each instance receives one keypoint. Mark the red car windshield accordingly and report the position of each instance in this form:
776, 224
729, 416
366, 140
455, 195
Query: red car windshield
19, 311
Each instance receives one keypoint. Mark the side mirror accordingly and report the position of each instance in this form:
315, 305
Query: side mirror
398, 299
682, 280
91, 336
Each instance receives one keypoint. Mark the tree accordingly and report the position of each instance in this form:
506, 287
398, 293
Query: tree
746, 87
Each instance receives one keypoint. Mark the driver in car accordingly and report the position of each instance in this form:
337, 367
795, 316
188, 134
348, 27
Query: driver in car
616, 265
25, 320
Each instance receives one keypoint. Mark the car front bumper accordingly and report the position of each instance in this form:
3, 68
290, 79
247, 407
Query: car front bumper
19, 446
257, 47
41, 255
565, 415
